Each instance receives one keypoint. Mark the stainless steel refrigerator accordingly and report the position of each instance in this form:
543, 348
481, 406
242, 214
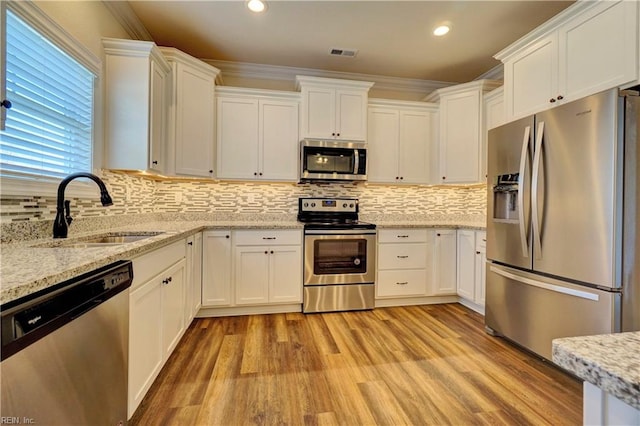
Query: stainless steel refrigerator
563, 244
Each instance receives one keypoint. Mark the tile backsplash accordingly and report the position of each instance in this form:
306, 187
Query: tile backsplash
134, 195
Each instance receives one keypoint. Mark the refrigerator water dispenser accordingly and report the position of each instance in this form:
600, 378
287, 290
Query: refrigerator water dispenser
505, 200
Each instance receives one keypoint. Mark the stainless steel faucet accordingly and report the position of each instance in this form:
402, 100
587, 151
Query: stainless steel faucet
60, 227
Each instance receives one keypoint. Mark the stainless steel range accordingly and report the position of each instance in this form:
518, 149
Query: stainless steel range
339, 256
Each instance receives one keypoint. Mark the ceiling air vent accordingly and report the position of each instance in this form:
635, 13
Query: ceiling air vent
350, 53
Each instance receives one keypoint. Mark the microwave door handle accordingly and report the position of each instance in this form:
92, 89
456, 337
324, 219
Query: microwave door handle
356, 162
521, 184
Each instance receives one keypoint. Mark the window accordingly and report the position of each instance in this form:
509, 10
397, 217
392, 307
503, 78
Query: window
49, 130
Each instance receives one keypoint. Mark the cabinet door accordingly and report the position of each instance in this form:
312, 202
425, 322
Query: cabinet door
285, 274
466, 273
531, 78
251, 274
414, 146
278, 141
444, 262
194, 145
216, 268
351, 115
494, 116
481, 266
382, 144
158, 118
460, 137
194, 277
145, 340
173, 291
318, 112
237, 138
598, 49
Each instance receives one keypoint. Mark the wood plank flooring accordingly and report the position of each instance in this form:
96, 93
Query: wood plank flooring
413, 365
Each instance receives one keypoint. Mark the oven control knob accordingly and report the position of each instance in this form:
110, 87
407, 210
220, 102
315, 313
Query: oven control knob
351, 205
344, 205
306, 204
356, 261
313, 204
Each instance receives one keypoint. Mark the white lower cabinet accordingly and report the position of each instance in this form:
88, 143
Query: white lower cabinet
268, 266
471, 259
403, 256
216, 268
444, 264
193, 296
416, 263
156, 316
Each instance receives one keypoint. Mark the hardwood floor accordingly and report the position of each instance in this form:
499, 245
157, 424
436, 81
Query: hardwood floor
414, 365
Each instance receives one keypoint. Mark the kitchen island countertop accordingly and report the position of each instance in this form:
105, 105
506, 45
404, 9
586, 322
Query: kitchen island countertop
610, 362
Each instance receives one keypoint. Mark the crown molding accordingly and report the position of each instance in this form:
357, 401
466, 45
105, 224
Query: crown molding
282, 73
495, 73
124, 14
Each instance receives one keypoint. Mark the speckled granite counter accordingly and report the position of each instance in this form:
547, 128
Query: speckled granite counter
609, 361
25, 269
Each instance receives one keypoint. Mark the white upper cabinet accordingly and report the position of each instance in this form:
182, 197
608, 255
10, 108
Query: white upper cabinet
257, 134
333, 108
191, 136
461, 139
590, 47
494, 116
136, 108
399, 141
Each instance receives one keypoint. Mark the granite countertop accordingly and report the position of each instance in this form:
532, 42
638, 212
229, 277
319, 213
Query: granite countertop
27, 267
609, 361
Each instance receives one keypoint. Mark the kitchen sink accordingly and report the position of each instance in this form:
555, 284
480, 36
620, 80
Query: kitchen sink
102, 240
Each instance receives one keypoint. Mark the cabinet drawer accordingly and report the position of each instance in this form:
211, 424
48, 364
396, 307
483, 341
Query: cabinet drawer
411, 282
481, 240
267, 237
402, 235
151, 264
402, 256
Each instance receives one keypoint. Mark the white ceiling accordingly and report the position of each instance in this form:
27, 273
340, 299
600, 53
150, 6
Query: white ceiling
393, 38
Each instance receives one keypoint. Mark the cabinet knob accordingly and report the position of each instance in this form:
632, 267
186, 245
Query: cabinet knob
266, 252
226, 236
210, 171
401, 177
333, 134
255, 173
477, 252
6, 103
155, 162
260, 173
560, 97
552, 100
437, 235
444, 178
190, 243
271, 251
337, 134
397, 178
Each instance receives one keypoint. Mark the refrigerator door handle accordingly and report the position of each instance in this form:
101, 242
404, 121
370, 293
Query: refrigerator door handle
521, 181
546, 286
534, 190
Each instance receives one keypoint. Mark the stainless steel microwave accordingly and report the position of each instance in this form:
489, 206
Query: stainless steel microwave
322, 160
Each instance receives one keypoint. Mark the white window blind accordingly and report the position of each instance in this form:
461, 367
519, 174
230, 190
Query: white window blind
48, 132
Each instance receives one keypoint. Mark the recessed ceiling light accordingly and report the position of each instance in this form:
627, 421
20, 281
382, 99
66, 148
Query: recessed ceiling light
441, 30
256, 6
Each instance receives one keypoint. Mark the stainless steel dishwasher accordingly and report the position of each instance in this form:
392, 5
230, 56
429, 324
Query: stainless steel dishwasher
65, 351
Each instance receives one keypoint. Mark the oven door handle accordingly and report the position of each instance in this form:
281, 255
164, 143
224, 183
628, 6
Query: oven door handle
340, 232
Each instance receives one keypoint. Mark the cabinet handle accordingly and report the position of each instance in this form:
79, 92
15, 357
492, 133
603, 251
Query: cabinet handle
397, 178
477, 252
190, 243
260, 174
402, 257
552, 100
484, 239
337, 134
403, 283
268, 238
255, 173
271, 251
166, 280
560, 97
401, 177
333, 134
154, 162
266, 252
403, 236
